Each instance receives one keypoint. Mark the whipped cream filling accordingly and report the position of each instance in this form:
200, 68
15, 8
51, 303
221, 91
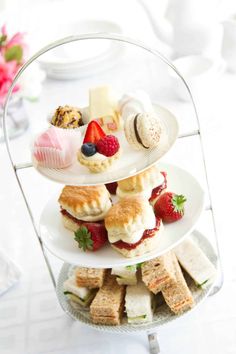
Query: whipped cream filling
95, 157
123, 194
134, 236
96, 217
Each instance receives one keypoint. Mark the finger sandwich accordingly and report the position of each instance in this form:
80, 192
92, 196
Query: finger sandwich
80, 295
158, 272
132, 227
125, 275
83, 204
195, 262
138, 303
90, 277
108, 304
177, 294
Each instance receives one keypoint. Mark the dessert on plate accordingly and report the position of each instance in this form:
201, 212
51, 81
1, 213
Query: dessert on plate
132, 227
67, 117
108, 304
98, 151
103, 108
138, 303
83, 210
55, 148
135, 102
143, 131
148, 184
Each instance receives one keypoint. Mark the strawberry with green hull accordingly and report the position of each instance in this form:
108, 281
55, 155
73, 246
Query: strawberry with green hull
91, 236
170, 207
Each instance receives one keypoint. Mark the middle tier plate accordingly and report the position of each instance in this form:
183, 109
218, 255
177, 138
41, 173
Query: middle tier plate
60, 242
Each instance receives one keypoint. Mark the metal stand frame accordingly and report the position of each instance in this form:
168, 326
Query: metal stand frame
152, 336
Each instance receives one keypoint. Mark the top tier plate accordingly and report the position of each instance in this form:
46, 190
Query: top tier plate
130, 163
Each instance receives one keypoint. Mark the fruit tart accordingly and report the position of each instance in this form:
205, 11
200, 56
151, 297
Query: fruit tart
98, 150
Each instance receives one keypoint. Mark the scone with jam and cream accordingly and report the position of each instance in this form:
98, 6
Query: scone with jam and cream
148, 184
99, 150
132, 227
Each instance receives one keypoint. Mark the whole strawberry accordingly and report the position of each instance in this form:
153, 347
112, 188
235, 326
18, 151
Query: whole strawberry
170, 207
91, 236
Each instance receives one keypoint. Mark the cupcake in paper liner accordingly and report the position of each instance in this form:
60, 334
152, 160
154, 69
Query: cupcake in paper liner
56, 148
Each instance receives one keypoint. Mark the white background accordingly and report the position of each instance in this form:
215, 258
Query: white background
30, 318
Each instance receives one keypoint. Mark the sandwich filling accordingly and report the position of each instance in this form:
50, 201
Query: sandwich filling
146, 234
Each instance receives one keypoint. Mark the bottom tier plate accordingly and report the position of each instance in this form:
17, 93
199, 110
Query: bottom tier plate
163, 314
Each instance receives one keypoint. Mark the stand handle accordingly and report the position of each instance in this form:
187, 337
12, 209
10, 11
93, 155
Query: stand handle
154, 347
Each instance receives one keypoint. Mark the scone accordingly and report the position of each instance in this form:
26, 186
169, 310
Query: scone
83, 204
143, 131
148, 184
67, 117
83, 210
132, 227
98, 151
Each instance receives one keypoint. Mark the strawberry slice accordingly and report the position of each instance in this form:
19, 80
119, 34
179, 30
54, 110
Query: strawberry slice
93, 133
91, 236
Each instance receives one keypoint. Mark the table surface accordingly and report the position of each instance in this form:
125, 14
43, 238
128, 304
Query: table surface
31, 320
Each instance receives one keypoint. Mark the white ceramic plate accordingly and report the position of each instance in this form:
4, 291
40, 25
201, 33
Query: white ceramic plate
162, 315
82, 58
130, 163
60, 241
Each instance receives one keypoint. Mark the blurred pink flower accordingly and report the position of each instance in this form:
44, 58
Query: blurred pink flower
7, 73
12, 56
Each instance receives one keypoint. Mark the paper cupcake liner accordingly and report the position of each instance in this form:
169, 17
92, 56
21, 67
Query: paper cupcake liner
56, 158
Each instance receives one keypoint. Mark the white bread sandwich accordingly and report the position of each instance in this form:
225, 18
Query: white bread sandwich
125, 275
158, 272
90, 277
195, 262
138, 303
108, 304
148, 184
80, 295
177, 294
132, 227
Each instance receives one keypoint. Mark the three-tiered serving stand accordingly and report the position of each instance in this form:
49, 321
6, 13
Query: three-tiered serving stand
124, 75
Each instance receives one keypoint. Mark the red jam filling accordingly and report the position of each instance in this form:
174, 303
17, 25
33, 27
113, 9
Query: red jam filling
157, 191
77, 221
146, 234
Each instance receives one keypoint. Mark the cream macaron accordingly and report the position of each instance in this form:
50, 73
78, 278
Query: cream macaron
143, 131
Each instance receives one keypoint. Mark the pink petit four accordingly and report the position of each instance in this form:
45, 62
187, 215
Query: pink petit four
55, 149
